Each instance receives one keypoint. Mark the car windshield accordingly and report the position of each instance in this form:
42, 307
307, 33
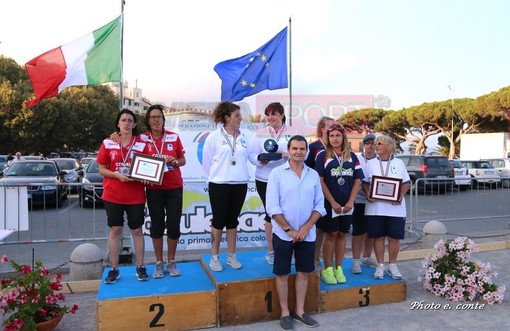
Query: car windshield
31, 169
456, 164
65, 164
85, 161
93, 167
483, 165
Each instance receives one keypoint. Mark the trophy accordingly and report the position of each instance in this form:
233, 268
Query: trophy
270, 146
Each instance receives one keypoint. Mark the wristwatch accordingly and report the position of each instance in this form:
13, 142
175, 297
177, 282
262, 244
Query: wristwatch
287, 229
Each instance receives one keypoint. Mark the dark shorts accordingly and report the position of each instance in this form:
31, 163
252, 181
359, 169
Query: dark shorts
165, 204
336, 224
320, 222
304, 253
261, 189
359, 221
115, 214
389, 226
226, 204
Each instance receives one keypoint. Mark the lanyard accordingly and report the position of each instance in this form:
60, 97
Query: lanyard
124, 159
384, 173
160, 153
271, 130
231, 145
341, 180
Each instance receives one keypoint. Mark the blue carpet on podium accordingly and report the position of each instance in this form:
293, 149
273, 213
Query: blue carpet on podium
193, 279
255, 267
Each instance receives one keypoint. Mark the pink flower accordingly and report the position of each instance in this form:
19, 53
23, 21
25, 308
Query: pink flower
4, 259
25, 269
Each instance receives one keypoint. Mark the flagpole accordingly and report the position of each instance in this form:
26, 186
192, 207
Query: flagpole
121, 91
290, 71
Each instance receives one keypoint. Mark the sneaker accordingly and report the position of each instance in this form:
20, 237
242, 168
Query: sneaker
379, 271
215, 264
232, 261
305, 319
339, 275
328, 276
286, 323
356, 266
369, 262
112, 277
393, 271
141, 273
171, 268
270, 257
159, 271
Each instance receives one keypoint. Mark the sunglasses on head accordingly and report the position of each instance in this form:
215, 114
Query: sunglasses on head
336, 127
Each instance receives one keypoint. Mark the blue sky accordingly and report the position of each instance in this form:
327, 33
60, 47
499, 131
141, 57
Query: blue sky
409, 51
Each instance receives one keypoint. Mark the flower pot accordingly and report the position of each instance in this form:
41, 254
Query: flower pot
49, 325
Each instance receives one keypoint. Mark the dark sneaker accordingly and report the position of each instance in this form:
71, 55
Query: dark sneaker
141, 273
112, 277
306, 320
286, 323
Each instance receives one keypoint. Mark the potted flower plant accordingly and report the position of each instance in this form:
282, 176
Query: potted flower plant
29, 297
449, 273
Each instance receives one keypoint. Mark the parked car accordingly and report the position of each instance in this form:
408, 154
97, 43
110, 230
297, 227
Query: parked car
3, 163
482, 172
34, 157
74, 171
46, 182
502, 167
91, 190
429, 167
462, 176
85, 162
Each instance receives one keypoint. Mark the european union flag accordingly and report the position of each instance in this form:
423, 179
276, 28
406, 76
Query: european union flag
264, 69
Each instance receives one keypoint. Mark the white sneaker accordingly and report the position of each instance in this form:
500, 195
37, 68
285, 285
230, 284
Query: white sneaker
356, 266
369, 262
379, 271
232, 261
215, 264
393, 271
270, 257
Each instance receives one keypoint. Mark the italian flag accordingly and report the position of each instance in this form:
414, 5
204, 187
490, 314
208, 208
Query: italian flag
92, 59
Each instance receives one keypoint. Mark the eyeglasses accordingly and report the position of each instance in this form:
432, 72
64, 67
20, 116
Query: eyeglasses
379, 143
156, 117
337, 127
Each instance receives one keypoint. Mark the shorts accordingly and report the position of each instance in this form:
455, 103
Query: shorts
359, 221
261, 189
389, 226
226, 204
304, 253
165, 204
336, 224
115, 214
320, 222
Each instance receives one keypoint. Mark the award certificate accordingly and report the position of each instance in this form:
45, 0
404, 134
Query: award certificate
149, 168
385, 188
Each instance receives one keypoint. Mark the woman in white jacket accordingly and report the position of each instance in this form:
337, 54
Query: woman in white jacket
224, 162
268, 149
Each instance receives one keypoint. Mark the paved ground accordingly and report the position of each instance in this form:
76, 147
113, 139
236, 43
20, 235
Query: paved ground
397, 316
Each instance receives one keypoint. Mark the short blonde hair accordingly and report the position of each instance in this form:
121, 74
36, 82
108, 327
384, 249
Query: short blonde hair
387, 140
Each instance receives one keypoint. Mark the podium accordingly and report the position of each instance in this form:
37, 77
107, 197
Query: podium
168, 303
249, 295
202, 298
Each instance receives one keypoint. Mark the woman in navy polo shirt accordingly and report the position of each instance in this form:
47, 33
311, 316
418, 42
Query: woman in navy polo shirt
340, 173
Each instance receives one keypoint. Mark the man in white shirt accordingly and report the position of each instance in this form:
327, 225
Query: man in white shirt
295, 203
